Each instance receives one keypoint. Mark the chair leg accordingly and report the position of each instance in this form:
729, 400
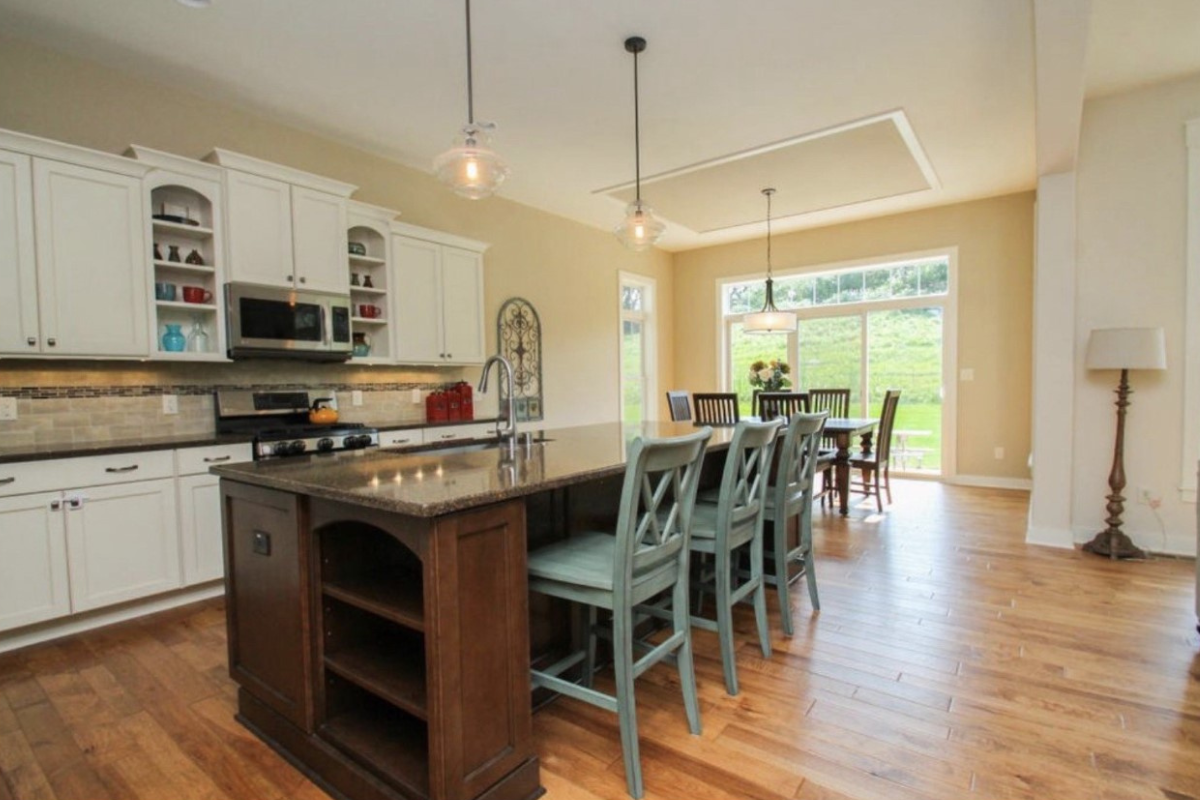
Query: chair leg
683, 660
887, 483
725, 622
760, 594
589, 661
779, 541
622, 646
810, 576
878, 494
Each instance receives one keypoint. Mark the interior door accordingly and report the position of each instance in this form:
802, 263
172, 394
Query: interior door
91, 261
18, 282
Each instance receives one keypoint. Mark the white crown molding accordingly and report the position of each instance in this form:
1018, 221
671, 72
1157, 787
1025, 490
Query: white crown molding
438, 237
82, 156
267, 169
374, 213
172, 163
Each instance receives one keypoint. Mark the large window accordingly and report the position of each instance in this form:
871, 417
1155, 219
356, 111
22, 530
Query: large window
868, 328
637, 349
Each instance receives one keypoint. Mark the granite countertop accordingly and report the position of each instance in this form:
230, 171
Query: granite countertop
104, 447
432, 483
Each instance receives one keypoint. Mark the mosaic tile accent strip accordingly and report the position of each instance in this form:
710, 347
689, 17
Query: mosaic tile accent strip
197, 390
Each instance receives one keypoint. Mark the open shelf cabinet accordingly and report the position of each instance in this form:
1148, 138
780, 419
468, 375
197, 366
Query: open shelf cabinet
370, 280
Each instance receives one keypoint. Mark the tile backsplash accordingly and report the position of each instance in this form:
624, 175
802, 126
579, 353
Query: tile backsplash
76, 402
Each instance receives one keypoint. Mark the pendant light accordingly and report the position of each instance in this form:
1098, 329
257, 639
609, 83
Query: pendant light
640, 229
471, 168
770, 319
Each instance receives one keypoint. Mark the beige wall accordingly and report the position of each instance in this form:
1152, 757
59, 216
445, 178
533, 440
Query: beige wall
994, 238
567, 270
1132, 234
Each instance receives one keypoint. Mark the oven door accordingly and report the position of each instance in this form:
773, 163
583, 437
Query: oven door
270, 322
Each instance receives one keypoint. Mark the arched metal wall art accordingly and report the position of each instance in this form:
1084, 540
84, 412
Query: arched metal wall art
519, 334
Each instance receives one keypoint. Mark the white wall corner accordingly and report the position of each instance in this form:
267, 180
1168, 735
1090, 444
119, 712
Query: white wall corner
991, 482
1062, 538
1191, 318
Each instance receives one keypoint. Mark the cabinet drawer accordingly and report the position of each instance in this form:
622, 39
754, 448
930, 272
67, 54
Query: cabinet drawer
71, 473
410, 437
197, 460
446, 433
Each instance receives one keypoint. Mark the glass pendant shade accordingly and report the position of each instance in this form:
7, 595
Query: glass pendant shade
770, 319
640, 229
471, 168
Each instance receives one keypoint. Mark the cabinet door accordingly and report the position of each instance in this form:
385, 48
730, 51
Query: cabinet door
462, 305
91, 257
319, 240
123, 542
200, 528
18, 279
33, 560
260, 229
418, 303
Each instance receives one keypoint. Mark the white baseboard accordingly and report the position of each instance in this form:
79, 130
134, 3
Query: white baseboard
1152, 541
1061, 538
56, 629
992, 482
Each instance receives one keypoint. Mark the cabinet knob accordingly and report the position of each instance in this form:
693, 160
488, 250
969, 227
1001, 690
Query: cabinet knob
52, 341
75, 502
55, 505
304, 280
290, 278
32, 342
449, 355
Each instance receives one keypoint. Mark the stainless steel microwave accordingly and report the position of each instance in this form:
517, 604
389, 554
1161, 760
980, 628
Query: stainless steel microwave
266, 322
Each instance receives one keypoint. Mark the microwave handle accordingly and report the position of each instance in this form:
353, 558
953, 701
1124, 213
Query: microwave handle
325, 327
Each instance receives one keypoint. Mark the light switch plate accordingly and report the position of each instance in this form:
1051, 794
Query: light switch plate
8, 408
356, 397
416, 395
170, 404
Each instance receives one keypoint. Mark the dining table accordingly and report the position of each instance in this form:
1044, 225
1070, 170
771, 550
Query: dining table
843, 430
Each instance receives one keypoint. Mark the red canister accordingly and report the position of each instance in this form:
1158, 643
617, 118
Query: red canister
435, 407
466, 400
453, 404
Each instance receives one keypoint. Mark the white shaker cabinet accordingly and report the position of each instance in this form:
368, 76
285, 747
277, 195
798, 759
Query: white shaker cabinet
260, 229
439, 297
18, 284
200, 509
121, 542
33, 560
319, 239
91, 261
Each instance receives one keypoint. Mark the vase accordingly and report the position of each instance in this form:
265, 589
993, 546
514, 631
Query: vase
197, 340
173, 341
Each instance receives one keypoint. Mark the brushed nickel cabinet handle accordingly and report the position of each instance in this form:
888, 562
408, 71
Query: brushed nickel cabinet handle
52, 341
130, 468
7, 481
55, 505
217, 459
31, 341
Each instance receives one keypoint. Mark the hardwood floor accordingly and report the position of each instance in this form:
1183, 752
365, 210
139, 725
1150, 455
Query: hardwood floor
949, 660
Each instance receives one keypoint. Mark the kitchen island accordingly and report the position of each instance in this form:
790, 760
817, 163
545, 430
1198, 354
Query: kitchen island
379, 619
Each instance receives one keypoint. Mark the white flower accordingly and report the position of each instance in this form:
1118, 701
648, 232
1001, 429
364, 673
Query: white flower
766, 373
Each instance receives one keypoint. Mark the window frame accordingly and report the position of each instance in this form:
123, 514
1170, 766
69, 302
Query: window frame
647, 317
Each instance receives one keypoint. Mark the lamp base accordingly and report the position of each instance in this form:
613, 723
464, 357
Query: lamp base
1113, 544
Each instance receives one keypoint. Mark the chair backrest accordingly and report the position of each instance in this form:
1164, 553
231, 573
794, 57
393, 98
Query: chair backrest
657, 498
719, 408
835, 401
887, 419
744, 482
782, 404
681, 409
797, 463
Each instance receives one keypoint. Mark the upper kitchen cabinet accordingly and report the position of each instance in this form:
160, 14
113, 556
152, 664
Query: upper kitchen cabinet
439, 311
286, 227
184, 231
86, 248
371, 282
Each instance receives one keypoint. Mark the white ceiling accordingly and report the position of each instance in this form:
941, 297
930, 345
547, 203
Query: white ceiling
718, 78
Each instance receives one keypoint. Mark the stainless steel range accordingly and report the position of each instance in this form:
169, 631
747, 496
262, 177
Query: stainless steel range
280, 423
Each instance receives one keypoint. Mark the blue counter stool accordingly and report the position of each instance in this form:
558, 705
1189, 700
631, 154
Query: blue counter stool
729, 528
647, 557
792, 496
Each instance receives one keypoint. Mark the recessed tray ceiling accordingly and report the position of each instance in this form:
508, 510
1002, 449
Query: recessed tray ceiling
865, 160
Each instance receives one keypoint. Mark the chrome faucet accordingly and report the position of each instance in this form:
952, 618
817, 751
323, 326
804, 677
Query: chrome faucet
510, 428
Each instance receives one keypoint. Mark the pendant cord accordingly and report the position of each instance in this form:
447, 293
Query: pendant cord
637, 133
768, 194
470, 87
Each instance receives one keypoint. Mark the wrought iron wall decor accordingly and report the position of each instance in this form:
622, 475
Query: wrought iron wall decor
519, 334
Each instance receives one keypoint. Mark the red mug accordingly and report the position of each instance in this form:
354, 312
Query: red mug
196, 294
368, 311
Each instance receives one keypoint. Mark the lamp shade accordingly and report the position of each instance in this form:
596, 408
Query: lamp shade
1127, 348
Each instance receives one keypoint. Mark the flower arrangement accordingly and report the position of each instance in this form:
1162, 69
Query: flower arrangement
770, 376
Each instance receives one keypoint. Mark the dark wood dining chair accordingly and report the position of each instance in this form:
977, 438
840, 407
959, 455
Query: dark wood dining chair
782, 404
680, 406
716, 408
875, 465
836, 403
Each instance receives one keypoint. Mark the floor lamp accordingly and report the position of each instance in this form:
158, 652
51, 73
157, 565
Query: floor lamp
1123, 349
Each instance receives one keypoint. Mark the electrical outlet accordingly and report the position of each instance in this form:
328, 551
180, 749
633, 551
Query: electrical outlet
356, 397
966, 374
8, 408
170, 404
1147, 497
416, 395
999, 453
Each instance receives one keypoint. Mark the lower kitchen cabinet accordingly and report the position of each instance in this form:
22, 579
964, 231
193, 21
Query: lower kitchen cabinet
33, 560
122, 542
200, 528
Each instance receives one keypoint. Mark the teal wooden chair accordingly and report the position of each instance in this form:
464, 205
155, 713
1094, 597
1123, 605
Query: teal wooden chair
647, 557
726, 530
792, 496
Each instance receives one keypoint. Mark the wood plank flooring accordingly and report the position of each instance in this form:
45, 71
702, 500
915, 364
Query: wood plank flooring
949, 660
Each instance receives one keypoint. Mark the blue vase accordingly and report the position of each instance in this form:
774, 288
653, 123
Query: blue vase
173, 341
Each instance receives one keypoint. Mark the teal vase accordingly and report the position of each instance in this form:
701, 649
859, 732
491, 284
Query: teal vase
173, 341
